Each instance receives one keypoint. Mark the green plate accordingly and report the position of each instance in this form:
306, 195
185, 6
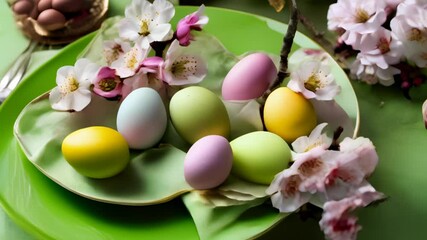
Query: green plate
48, 211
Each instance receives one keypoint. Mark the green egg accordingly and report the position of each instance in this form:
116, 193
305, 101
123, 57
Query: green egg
259, 156
197, 112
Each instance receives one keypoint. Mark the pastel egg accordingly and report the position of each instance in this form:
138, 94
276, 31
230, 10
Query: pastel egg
288, 114
208, 162
249, 78
197, 112
51, 19
142, 118
23, 7
96, 152
68, 6
259, 156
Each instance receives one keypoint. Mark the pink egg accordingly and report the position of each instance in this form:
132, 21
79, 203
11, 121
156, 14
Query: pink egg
249, 78
208, 162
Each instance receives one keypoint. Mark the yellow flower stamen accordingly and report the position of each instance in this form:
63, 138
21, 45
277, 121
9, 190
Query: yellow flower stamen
417, 35
362, 15
144, 31
107, 84
313, 83
70, 85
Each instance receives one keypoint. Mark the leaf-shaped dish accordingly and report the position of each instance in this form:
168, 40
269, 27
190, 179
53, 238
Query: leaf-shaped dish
48, 211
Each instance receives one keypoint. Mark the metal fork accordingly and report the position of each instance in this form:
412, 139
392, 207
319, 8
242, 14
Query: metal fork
15, 74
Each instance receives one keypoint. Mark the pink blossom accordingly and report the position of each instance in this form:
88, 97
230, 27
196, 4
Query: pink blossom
194, 21
107, 84
380, 48
285, 192
152, 64
356, 17
371, 73
337, 221
410, 26
181, 67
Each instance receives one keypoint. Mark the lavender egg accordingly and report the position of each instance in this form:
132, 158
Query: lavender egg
249, 78
208, 162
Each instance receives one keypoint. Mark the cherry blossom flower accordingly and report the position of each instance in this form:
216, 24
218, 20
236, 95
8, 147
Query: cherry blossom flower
72, 92
314, 80
315, 139
380, 48
356, 17
107, 84
285, 192
424, 112
194, 21
145, 22
113, 49
180, 68
371, 73
130, 62
410, 27
337, 221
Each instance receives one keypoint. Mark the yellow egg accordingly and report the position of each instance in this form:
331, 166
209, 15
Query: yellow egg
288, 114
96, 152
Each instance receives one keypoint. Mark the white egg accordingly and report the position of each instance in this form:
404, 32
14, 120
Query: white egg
142, 118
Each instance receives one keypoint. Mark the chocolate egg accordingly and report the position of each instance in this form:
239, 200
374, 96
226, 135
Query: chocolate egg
68, 6
51, 19
23, 7
44, 4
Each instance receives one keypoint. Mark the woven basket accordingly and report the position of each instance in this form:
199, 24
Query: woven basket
84, 22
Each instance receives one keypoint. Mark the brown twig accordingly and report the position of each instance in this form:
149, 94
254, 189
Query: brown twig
288, 40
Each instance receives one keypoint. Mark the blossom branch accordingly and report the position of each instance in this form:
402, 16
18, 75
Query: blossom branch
287, 45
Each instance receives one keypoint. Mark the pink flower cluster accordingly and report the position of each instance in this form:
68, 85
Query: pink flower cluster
129, 67
389, 37
331, 179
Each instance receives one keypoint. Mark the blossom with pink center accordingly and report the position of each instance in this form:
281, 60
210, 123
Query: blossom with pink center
410, 26
313, 79
181, 67
367, 157
285, 193
107, 84
337, 221
194, 21
315, 139
130, 62
371, 73
380, 48
356, 17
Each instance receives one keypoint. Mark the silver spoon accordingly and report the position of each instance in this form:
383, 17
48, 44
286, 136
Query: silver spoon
15, 74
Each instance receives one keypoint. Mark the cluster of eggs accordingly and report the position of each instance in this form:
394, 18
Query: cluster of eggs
49, 14
200, 117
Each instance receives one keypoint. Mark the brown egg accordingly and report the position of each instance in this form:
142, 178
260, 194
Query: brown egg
51, 19
68, 6
44, 4
23, 7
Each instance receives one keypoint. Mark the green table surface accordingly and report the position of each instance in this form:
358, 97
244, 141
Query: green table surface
392, 122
